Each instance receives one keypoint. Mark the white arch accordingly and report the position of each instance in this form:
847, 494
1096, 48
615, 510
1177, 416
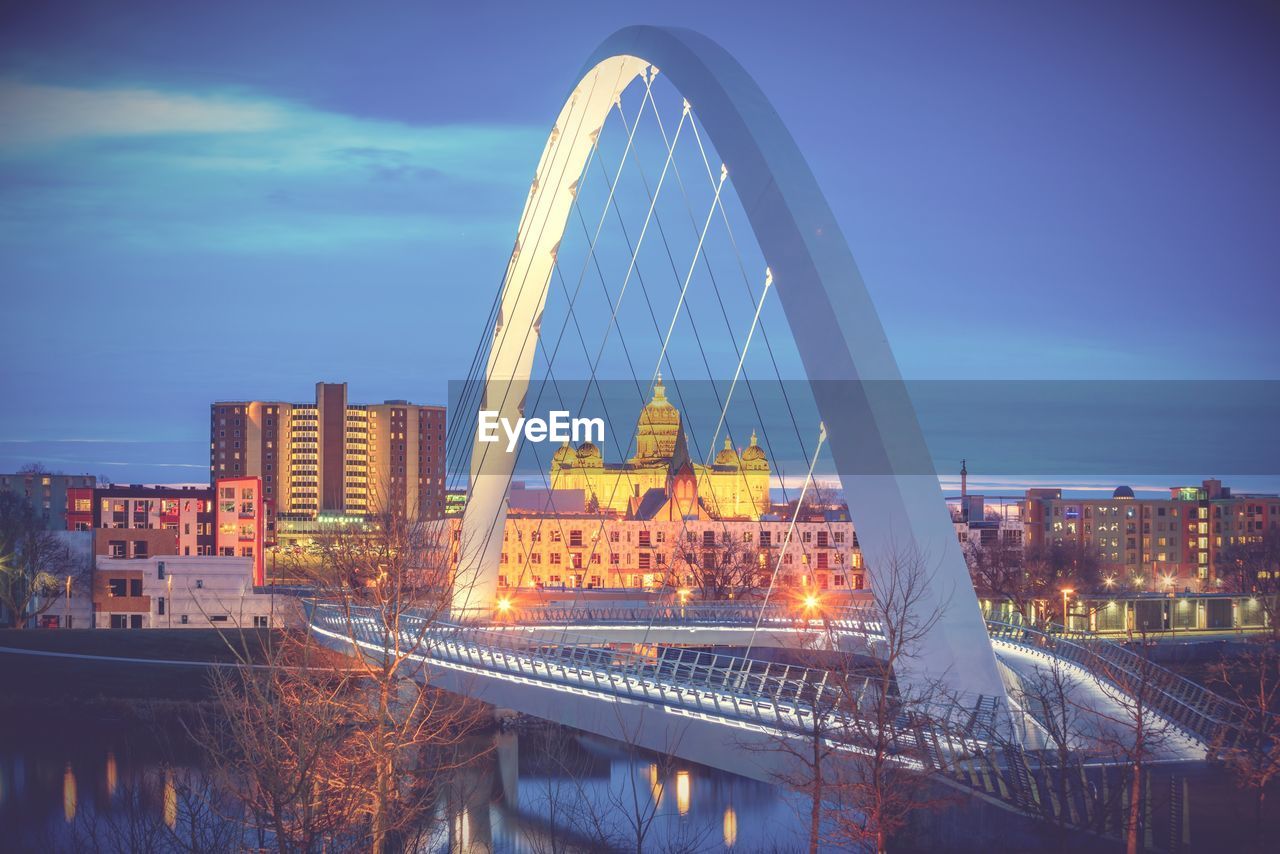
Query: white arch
875, 437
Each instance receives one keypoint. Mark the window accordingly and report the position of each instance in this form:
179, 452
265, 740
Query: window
262, 622
135, 587
160, 606
199, 583
645, 541
160, 570
118, 586
183, 620
119, 621
220, 618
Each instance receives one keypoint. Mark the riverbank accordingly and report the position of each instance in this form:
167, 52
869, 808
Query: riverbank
98, 665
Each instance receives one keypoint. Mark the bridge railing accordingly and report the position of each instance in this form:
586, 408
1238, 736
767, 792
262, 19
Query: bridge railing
773, 694
860, 617
1209, 716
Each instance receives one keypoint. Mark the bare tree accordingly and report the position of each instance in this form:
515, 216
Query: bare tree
999, 571
860, 762
1253, 567
277, 740
1251, 751
393, 574
37, 567
1133, 731
1035, 576
727, 569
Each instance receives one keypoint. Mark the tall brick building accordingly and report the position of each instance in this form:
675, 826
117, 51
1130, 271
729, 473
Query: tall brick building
332, 457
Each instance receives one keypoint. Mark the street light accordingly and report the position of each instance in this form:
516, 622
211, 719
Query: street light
1066, 592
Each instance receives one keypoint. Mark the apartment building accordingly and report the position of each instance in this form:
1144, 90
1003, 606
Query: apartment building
1161, 543
332, 457
47, 493
227, 519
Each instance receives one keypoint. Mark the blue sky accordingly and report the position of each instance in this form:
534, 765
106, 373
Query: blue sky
202, 201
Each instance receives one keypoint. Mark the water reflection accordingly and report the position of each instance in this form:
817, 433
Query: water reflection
69, 794
170, 800
536, 789
682, 791
112, 774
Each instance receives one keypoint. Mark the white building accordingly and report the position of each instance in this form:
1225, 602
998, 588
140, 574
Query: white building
171, 591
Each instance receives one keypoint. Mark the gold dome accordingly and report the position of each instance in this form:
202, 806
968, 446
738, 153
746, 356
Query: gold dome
589, 455
753, 456
728, 456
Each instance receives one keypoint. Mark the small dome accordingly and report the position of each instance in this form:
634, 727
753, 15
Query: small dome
563, 454
728, 456
1122, 492
589, 455
753, 455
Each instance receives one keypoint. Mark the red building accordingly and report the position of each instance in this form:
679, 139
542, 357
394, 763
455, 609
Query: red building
228, 519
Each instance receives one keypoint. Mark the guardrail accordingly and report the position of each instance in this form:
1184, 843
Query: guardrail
780, 696
850, 617
1210, 717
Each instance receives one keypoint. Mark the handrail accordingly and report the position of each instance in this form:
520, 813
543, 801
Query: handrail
1211, 717
702, 613
739, 688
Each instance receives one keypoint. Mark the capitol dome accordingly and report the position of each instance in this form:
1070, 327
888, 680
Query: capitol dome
659, 410
753, 456
1123, 492
563, 454
728, 456
589, 455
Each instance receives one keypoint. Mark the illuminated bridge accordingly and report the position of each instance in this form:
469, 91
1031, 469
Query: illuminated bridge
677, 259
729, 712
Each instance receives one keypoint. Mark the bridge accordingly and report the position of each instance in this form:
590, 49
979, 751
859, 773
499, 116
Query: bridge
722, 684
729, 712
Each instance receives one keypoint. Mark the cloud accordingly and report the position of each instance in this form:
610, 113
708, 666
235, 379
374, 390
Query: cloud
37, 115
140, 169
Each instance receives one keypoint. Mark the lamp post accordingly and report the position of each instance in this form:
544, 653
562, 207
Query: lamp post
168, 599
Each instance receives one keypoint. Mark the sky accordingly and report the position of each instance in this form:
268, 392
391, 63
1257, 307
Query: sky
235, 200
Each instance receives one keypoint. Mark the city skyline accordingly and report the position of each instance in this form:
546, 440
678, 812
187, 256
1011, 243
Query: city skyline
318, 182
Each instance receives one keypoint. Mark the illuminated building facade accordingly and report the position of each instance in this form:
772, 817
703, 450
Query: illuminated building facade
1155, 544
587, 551
136, 522
735, 486
332, 457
